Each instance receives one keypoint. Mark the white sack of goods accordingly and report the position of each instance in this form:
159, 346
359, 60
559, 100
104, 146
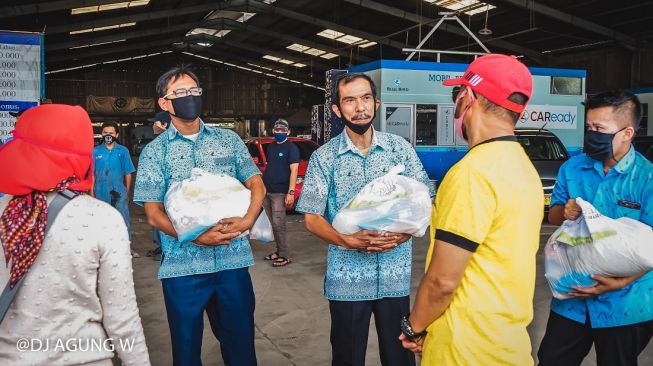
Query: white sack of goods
199, 202
393, 203
595, 244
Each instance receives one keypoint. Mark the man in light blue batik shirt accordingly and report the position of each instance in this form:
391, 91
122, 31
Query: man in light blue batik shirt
615, 315
374, 277
209, 274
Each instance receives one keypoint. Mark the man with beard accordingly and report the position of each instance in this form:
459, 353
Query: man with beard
210, 273
476, 298
368, 272
112, 177
616, 314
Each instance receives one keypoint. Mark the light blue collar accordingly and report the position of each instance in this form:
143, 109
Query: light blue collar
623, 166
347, 145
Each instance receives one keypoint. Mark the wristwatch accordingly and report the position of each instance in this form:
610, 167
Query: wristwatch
408, 331
291, 192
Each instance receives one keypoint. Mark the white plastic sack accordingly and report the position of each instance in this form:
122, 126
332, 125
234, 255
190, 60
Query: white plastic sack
199, 202
595, 244
392, 203
262, 229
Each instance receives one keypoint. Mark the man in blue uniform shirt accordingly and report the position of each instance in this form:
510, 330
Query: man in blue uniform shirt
616, 314
113, 173
374, 277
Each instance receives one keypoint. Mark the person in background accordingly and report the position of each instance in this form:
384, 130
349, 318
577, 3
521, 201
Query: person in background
160, 123
616, 314
280, 177
113, 173
78, 287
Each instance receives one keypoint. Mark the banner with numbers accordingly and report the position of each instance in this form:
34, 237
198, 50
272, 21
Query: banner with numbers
21, 75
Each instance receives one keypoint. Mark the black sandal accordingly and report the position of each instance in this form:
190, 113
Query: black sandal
272, 256
281, 262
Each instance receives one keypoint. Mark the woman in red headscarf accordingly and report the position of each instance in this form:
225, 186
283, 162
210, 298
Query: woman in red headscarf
78, 290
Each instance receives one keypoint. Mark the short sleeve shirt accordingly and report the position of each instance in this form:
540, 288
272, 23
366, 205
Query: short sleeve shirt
631, 180
111, 166
277, 171
170, 158
492, 204
337, 171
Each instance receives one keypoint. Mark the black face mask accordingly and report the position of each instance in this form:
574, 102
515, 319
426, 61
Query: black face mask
187, 108
359, 129
598, 145
108, 139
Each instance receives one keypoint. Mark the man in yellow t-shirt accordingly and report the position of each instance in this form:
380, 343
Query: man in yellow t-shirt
476, 299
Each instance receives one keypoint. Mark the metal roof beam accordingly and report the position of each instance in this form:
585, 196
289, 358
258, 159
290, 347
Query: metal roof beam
229, 57
118, 36
48, 6
261, 7
147, 15
103, 60
220, 40
217, 23
578, 22
382, 8
235, 25
143, 46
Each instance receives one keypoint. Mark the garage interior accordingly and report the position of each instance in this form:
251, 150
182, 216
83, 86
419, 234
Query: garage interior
263, 60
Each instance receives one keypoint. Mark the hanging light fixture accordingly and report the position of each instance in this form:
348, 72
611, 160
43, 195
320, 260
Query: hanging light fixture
485, 31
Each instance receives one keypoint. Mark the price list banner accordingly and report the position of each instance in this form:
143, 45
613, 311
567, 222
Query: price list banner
20, 75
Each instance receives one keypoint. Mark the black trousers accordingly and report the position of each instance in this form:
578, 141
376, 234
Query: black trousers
350, 324
566, 343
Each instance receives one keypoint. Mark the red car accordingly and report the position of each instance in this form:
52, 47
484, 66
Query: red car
258, 148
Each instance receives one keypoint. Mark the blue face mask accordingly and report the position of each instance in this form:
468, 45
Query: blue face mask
280, 137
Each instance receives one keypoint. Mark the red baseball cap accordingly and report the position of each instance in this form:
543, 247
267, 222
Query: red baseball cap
496, 77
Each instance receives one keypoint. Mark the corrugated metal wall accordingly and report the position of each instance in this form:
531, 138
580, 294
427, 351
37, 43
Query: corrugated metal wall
610, 68
227, 92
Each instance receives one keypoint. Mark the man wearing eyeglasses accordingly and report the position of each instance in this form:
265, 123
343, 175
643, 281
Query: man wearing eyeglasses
209, 274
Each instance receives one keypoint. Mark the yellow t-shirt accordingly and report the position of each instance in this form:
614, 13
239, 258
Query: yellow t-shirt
491, 203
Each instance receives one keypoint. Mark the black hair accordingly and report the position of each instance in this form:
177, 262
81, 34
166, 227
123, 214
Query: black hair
172, 75
346, 79
489, 106
454, 93
622, 101
110, 124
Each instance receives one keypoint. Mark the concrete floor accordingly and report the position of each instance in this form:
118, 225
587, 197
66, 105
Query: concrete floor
292, 316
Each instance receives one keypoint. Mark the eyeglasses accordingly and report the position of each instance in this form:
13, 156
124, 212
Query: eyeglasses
180, 93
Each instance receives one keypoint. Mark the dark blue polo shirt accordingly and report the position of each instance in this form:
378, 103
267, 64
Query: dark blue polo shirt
277, 172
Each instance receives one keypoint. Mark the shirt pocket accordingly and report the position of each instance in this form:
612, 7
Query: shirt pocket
631, 213
348, 180
218, 160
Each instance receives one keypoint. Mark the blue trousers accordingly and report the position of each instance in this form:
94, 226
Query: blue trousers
228, 299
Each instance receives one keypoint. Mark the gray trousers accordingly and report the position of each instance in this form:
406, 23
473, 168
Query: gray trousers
275, 208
